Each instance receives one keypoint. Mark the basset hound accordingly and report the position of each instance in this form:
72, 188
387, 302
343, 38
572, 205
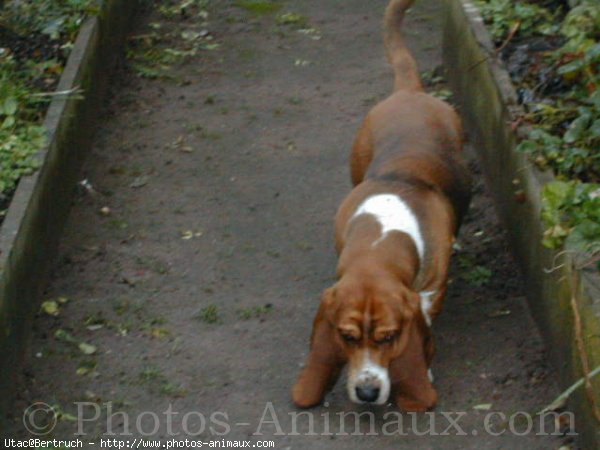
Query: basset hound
394, 236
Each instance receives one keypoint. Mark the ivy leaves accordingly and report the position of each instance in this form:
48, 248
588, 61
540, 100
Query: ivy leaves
571, 211
502, 15
574, 154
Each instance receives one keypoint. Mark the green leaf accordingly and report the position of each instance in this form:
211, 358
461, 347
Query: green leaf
54, 27
87, 349
9, 122
478, 276
578, 127
10, 106
483, 407
555, 193
554, 236
571, 68
545, 138
62, 335
594, 99
584, 237
594, 129
527, 146
50, 307
593, 53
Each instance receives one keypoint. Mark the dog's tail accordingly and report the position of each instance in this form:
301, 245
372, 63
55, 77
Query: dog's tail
406, 74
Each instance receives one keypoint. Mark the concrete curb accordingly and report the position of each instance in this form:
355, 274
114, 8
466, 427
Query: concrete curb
30, 233
489, 106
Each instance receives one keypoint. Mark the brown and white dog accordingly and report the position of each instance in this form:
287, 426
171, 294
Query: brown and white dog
394, 236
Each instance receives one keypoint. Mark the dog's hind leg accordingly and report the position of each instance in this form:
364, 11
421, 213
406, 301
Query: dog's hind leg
362, 153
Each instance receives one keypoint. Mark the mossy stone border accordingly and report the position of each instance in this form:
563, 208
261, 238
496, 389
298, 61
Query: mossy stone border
31, 230
489, 107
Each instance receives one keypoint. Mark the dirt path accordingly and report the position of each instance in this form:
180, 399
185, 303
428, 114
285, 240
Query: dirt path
197, 286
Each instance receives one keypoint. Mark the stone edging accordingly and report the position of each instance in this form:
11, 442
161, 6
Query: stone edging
489, 106
30, 233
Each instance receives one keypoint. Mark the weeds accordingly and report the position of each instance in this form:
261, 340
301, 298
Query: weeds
258, 6
571, 212
172, 9
55, 19
156, 380
563, 110
255, 312
37, 36
170, 41
20, 134
471, 272
502, 15
209, 314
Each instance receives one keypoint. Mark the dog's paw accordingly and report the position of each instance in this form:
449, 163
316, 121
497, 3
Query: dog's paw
305, 397
421, 402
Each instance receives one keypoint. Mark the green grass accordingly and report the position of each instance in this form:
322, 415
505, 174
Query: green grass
254, 312
258, 6
209, 314
151, 373
471, 272
156, 381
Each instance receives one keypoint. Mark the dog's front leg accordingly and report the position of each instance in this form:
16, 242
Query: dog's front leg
323, 365
316, 379
409, 375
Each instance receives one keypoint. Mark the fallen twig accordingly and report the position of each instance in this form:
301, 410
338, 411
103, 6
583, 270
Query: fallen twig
76, 91
562, 398
495, 53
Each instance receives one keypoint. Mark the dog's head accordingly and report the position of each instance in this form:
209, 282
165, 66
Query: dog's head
383, 335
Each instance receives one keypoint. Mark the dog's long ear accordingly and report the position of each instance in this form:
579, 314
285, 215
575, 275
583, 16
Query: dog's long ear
325, 359
409, 375
409, 304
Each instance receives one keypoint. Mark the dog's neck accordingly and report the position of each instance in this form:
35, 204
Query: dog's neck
370, 260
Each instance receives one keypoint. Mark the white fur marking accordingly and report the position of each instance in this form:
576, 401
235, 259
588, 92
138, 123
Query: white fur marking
426, 304
369, 373
430, 375
393, 214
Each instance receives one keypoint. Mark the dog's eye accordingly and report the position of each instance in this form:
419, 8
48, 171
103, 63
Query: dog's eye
386, 339
349, 338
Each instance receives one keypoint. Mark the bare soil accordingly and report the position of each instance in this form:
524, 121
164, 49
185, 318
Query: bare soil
198, 281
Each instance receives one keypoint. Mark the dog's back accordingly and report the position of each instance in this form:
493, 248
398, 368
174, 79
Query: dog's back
411, 132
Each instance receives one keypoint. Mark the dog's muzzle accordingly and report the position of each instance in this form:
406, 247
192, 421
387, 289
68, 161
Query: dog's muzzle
369, 383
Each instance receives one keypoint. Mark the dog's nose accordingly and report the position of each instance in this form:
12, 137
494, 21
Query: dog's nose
367, 393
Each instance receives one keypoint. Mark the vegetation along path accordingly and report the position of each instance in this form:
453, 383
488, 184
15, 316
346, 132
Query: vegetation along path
193, 260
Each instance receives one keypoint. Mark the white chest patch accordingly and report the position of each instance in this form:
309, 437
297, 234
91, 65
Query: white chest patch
393, 214
426, 304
